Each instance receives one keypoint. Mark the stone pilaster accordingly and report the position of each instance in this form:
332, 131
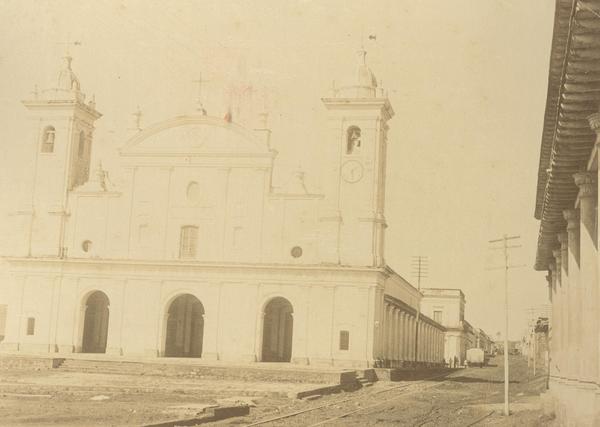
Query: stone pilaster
591, 305
573, 302
588, 276
558, 324
552, 333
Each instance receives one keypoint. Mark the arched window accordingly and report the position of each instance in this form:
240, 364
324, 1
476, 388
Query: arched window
352, 139
48, 139
81, 147
86, 246
193, 192
188, 241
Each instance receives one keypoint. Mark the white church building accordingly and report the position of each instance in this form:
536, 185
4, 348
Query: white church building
197, 254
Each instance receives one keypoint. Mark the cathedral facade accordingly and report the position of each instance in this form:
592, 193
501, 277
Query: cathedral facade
197, 254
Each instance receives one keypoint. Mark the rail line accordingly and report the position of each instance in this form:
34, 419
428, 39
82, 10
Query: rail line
403, 389
353, 399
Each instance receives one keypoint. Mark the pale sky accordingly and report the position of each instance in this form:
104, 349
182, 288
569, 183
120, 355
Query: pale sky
467, 80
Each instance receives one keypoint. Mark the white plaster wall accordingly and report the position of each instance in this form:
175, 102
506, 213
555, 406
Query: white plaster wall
450, 309
233, 308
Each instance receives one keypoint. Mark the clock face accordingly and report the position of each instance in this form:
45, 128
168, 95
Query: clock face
352, 171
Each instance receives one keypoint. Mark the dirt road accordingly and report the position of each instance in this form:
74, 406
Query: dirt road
466, 397
472, 396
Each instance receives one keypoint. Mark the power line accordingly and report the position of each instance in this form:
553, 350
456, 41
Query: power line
505, 248
420, 265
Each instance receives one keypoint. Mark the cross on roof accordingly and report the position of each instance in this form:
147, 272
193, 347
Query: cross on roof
199, 81
68, 44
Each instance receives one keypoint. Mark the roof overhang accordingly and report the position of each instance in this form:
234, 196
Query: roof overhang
573, 95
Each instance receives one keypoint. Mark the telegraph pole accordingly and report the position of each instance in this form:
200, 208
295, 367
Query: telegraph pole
419, 267
505, 247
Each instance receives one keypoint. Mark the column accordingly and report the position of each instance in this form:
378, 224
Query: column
411, 332
425, 338
394, 335
409, 335
429, 343
401, 334
419, 338
564, 305
386, 334
588, 199
573, 290
588, 255
421, 341
406, 340
557, 324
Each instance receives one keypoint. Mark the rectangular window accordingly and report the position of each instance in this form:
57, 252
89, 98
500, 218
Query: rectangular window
188, 242
437, 316
30, 325
344, 340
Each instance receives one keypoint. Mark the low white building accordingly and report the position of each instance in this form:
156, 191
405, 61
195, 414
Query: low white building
447, 306
196, 254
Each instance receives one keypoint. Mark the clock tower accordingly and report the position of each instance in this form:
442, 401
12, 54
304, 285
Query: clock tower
353, 221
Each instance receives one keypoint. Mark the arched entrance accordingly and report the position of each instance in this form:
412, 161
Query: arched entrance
278, 326
95, 324
185, 327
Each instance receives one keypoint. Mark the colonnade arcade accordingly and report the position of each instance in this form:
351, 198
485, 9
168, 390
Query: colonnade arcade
403, 344
573, 289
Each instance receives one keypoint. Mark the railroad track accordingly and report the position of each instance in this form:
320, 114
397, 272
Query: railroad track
337, 410
326, 409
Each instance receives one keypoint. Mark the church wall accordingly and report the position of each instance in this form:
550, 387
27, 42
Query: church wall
28, 298
291, 222
145, 222
273, 241
148, 216
134, 313
233, 304
242, 233
238, 314
89, 224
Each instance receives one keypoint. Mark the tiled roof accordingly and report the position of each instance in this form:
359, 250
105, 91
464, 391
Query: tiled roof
573, 95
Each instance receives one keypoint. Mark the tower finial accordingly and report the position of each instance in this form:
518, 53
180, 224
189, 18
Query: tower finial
362, 56
67, 45
137, 125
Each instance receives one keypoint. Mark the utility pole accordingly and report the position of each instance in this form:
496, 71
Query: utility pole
505, 247
420, 265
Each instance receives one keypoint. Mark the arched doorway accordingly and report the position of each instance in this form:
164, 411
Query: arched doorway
278, 326
95, 324
185, 327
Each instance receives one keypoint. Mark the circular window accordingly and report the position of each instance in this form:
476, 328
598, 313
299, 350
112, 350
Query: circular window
86, 245
193, 192
296, 251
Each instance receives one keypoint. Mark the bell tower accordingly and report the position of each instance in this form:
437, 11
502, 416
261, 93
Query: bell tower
61, 126
353, 223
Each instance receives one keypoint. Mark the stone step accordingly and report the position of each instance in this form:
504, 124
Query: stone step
191, 370
29, 362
